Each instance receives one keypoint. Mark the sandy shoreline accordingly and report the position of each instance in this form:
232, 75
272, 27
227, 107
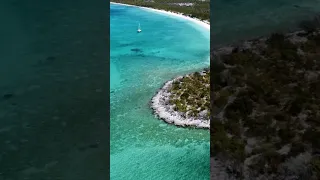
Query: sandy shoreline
160, 102
204, 24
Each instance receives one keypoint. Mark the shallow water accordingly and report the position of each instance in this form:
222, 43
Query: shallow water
234, 20
143, 147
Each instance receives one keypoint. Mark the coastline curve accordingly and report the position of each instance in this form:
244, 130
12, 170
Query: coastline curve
205, 24
165, 111
160, 102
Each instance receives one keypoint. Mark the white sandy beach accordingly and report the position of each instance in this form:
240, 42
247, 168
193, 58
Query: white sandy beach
160, 102
204, 24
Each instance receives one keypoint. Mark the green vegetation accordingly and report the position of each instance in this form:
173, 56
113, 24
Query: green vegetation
268, 161
198, 9
269, 92
231, 146
191, 94
315, 164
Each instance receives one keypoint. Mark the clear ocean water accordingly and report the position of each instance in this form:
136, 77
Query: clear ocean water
234, 20
54, 90
142, 146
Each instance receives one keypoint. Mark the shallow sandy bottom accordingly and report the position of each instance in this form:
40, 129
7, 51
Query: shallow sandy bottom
166, 47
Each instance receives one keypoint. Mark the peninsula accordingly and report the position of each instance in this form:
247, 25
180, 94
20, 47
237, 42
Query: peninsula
184, 100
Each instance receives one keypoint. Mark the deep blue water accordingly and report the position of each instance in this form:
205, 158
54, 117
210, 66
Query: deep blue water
143, 147
54, 90
234, 20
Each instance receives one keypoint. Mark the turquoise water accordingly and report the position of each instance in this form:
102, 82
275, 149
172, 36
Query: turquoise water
143, 147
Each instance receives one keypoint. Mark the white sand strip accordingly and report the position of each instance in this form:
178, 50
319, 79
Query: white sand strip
204, 24
160, 102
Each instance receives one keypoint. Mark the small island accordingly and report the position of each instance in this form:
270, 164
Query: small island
266, 107
185, 100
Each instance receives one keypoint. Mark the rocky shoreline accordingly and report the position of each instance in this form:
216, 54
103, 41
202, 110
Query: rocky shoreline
165, 110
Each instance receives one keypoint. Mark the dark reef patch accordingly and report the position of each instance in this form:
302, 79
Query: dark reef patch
125, 44
51, 58
7, 96
137, 50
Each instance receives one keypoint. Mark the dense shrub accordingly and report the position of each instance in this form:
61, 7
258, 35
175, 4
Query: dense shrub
309, 136
315, 164
296, 148
200, 9
278, 41
286, 134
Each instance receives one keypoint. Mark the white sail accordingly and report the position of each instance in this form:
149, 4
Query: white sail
139, 29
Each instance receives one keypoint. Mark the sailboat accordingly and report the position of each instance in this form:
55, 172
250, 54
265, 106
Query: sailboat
139, 29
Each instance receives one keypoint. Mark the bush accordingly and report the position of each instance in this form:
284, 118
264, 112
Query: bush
233, 128
232, 115
315, 164
274, 159
315, 38
309, 64
241, 106
289, 54
278, 41
271, 99
309, 46
216, 66
296, 148
309, 136
275, 40
281, 116
296, 106
222, 99
181, 107
236, 147
219, 140
286, 134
